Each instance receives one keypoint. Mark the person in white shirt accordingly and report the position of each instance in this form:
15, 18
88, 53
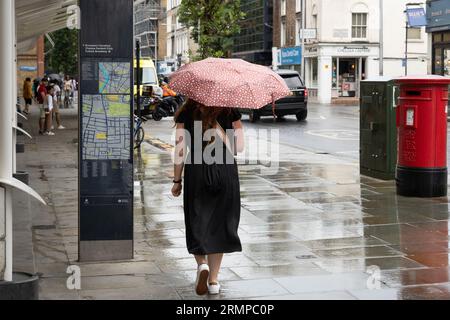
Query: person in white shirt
68, 90
56, 104
48, 109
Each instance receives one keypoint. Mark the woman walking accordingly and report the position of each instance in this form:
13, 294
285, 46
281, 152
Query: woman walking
215, 88
211, 218
27, 95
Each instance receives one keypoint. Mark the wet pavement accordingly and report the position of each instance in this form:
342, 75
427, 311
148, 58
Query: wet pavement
314, 229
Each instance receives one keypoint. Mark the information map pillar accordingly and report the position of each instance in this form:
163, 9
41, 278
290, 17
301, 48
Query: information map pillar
106, 130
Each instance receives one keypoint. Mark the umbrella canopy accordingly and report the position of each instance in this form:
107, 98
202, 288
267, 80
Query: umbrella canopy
54, 76
231, 83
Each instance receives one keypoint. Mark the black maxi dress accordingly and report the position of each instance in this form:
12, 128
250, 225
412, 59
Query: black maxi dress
211, 219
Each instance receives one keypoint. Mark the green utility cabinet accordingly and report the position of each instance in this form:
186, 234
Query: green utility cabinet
378, 131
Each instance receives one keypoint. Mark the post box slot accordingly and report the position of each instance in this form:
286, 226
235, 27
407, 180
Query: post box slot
414, 93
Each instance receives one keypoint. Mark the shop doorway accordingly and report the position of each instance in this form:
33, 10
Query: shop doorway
347, 74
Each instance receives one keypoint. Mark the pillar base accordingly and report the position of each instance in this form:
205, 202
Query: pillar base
421, 182
22, 176
23, 287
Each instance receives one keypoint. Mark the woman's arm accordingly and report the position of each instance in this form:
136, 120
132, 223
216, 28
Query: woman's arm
178, 159
239, 134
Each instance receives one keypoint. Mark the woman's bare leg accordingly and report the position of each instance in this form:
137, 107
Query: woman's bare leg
214, 260
201, 260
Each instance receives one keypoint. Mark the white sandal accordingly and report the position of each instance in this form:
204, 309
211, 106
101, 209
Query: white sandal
214, 288
201, 284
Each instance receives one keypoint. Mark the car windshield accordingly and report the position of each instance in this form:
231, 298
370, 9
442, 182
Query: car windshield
147, 76
292, 81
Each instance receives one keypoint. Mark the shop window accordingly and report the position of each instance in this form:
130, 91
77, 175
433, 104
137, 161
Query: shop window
414, 33
446, 37
359, 25
437, 37
438, 61
334, 78
446, 66
314, 72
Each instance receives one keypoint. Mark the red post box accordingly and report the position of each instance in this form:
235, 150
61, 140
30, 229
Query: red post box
422, 136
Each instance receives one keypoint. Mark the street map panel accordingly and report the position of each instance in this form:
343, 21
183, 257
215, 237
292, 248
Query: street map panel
114, 77
106, 127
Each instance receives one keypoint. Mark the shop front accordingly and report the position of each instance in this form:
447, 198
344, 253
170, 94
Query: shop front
334, 72
346, 75
438, 16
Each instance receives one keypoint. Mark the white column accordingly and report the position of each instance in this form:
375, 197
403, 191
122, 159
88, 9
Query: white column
324, 66
373, 68
14, 91
7, 101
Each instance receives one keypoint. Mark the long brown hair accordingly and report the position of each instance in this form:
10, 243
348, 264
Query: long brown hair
208, 115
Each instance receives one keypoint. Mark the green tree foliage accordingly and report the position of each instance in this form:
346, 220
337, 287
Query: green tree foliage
213, 24
63, 56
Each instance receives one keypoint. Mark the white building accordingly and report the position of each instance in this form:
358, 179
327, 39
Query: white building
179, 42
347, 47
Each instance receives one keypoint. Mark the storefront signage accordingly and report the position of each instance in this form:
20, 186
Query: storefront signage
416, 17
308, 34
353, 49
28, 68
291, 56
438, 15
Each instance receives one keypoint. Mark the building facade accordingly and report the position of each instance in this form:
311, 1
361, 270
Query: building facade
346, 48
147, 15
255, 41
30, 64
179, 44
438, 19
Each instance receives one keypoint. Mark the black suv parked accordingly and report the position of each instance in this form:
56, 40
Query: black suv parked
294, 104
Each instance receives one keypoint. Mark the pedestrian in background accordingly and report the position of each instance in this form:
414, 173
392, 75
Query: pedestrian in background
48, 109
27, 95
68, 91
41, 98
57, 100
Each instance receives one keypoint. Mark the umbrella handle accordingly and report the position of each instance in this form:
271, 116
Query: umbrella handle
273, 107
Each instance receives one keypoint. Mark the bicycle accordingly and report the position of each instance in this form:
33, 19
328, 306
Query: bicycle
139, 133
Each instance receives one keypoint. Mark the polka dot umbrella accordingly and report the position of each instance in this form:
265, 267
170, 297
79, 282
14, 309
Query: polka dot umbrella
231, 83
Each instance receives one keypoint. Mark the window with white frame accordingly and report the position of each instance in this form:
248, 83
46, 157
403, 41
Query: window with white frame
283, 34
359, 25
283, 7
298, 25
298, 5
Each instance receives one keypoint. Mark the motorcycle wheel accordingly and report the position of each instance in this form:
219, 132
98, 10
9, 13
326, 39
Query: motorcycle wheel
157, 116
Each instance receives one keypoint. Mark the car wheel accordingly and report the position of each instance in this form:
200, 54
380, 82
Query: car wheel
302, 115
254, 116
280, 118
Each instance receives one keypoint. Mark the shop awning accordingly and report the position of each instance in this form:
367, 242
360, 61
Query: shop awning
37, 17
